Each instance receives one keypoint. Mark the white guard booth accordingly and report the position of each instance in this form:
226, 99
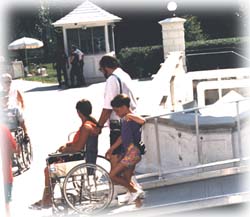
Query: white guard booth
91, 29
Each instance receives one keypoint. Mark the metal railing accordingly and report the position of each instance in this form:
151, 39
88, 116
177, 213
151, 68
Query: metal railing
237, 158
219, 52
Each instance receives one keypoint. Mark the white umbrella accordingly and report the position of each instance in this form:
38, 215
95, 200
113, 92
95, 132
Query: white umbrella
25, 43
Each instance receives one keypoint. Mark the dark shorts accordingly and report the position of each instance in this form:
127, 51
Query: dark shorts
8, 192
115, 132
113, 137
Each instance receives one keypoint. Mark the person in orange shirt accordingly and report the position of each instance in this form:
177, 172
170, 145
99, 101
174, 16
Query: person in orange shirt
85, 136
7, 147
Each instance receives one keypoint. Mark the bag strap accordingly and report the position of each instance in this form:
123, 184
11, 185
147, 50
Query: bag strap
120, 83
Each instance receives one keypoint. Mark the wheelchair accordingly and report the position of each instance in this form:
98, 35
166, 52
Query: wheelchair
78, 186
21, 160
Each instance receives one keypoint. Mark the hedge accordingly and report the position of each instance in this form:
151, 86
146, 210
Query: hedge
221, 43
142, 62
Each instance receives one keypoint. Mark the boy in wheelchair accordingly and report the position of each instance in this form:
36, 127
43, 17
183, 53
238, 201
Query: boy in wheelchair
85, 136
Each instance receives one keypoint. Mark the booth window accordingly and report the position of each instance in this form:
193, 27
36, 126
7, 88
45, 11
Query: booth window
90, 40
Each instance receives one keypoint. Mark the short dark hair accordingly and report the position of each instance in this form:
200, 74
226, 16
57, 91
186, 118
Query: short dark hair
120, 100
73, 47
84, 107
109, 61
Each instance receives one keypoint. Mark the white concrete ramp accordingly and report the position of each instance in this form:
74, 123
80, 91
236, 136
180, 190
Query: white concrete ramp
161, 86
191, 196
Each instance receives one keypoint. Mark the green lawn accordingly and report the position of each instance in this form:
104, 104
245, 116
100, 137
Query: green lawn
50, 78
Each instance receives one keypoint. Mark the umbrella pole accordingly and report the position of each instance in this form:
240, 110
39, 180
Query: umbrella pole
26, 60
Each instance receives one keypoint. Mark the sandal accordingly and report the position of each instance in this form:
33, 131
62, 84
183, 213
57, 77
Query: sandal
36, 206
39, 205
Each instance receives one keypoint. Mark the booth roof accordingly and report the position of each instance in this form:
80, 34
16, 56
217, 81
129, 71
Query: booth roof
86, 14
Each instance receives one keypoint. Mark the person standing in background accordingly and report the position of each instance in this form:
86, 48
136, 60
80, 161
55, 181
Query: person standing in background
61, 65
80, 55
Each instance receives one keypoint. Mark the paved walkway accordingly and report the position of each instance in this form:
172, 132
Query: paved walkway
50, 115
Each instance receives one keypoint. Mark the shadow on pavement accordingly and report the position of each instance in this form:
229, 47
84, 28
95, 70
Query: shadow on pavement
45, 88
54, 87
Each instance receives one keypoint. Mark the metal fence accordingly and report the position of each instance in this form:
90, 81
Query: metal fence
237, 160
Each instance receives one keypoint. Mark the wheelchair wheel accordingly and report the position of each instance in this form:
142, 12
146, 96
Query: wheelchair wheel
17, 164
91, 186
17, 160
27, 154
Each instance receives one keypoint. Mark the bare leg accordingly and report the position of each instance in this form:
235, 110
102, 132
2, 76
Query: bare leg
46, 198
127, 174
117, 179
114, 160
46, 193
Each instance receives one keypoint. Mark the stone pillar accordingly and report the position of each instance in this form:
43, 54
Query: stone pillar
174, 41
173, 34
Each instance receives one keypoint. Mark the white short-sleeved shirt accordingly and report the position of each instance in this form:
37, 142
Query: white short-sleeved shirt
13, 102
112, 89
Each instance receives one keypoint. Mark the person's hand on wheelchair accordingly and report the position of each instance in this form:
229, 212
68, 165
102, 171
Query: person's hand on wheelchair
61, 149
109, 153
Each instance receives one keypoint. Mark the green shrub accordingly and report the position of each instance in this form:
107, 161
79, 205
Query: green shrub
222, 43
141, 62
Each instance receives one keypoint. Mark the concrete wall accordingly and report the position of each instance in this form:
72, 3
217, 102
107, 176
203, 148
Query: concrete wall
91, 69
178, 142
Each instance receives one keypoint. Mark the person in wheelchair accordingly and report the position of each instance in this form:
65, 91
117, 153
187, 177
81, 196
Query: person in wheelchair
15, 96
85, 136
12, 115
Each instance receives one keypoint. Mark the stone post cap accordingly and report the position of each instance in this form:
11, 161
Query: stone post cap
172, 20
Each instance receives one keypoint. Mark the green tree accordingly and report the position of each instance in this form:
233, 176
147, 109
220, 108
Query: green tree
193, 30
46, 30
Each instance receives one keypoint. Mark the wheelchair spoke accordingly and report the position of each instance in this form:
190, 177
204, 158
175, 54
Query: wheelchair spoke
23, 158
91, 186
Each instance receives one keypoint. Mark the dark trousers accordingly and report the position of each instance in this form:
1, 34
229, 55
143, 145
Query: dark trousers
59, 70
81, 76
75, 75
113, 137
91, 152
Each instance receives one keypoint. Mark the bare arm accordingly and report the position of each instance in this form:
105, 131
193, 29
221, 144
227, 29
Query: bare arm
79, 144
104, 116
136, 118
20, 99
71, 59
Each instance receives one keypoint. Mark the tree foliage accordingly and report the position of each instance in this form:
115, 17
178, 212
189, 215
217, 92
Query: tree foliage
193, 30
46, 29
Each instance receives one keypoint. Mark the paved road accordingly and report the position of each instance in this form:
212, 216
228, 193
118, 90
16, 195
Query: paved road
51, 116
